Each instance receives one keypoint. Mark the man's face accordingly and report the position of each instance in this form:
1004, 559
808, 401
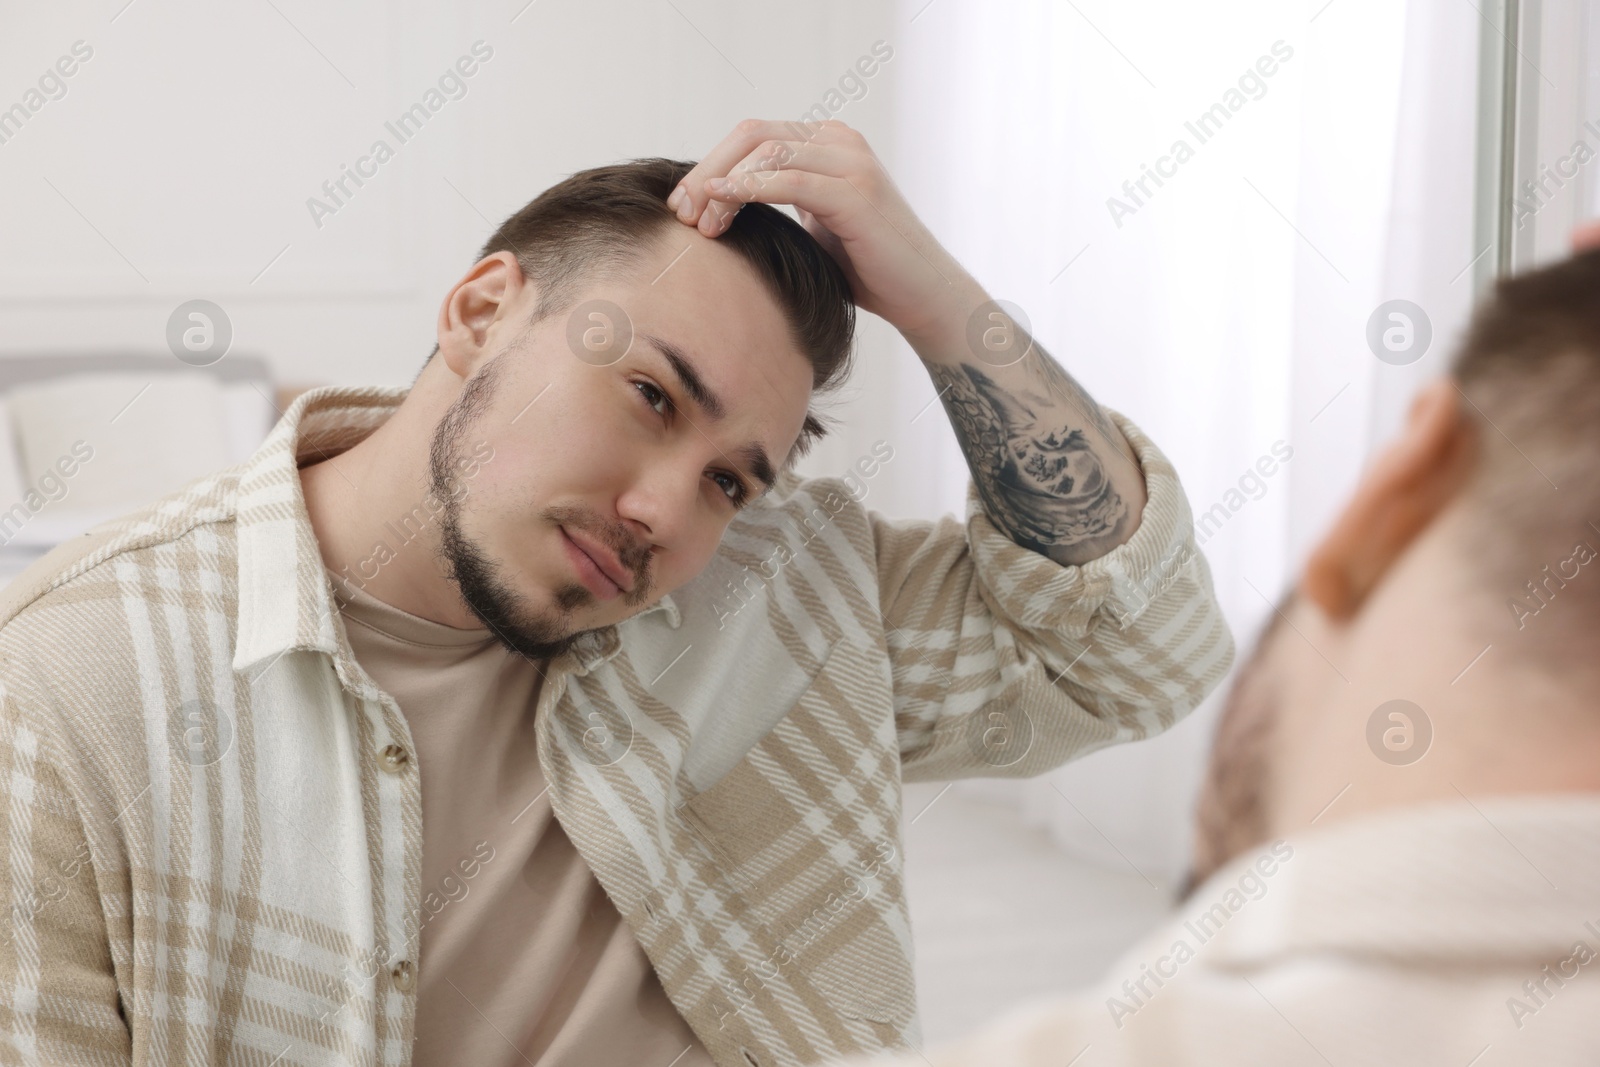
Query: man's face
613, 453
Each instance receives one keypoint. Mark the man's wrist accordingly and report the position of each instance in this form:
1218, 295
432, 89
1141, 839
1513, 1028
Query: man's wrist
942, 338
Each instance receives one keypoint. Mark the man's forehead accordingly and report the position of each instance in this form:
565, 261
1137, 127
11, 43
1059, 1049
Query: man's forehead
696, 305
701, 284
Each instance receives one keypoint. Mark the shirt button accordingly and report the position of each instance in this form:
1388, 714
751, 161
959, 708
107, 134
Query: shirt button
405, 976
393, 758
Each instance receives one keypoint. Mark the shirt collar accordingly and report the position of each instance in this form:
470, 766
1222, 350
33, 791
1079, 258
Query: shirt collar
1445, 880
285, 598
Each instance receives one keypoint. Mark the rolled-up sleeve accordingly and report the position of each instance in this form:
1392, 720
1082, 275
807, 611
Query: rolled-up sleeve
1006, 663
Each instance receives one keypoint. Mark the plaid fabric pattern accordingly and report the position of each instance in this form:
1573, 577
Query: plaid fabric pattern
206, 858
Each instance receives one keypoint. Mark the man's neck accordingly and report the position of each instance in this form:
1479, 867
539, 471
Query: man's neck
377, 523
1489, 713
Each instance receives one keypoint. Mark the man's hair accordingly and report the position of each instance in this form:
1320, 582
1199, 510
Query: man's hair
1529, 368
598, 223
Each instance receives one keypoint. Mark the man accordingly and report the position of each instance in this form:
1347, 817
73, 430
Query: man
1398, 844
540, 713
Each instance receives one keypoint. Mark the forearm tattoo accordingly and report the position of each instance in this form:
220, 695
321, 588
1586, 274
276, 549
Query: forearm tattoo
1040, 479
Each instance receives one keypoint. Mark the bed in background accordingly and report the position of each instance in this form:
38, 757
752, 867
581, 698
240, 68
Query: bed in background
85, 437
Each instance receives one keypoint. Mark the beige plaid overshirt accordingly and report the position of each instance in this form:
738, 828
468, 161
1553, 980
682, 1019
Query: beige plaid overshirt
211, 837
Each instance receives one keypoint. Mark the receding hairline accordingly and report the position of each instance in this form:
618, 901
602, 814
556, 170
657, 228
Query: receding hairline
623, 266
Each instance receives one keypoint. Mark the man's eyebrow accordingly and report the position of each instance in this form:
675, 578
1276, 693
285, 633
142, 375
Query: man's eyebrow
688, 377
710, 404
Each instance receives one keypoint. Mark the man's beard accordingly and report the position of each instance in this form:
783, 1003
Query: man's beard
1232, 812
507, 613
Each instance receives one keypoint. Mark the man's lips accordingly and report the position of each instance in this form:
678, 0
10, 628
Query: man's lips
604, 560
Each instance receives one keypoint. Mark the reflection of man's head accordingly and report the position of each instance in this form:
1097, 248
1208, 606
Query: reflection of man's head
1492, 486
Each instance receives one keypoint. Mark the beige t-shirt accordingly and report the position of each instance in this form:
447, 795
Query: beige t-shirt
525, 960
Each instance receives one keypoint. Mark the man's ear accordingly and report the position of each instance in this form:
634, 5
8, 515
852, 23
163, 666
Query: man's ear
487, 292
1403, 490
1586, 237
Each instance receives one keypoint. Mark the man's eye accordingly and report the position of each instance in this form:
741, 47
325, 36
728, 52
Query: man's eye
652, 390
737, 495
734, 489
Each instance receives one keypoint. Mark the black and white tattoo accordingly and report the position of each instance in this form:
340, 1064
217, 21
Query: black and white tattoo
1041, 480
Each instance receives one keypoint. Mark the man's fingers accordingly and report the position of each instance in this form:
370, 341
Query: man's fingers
746, 137
760, 168
769, 157
820, 194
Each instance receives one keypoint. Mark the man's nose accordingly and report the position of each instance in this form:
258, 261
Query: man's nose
661, 503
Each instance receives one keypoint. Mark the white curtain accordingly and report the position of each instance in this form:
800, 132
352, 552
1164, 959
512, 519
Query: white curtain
1223, 309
